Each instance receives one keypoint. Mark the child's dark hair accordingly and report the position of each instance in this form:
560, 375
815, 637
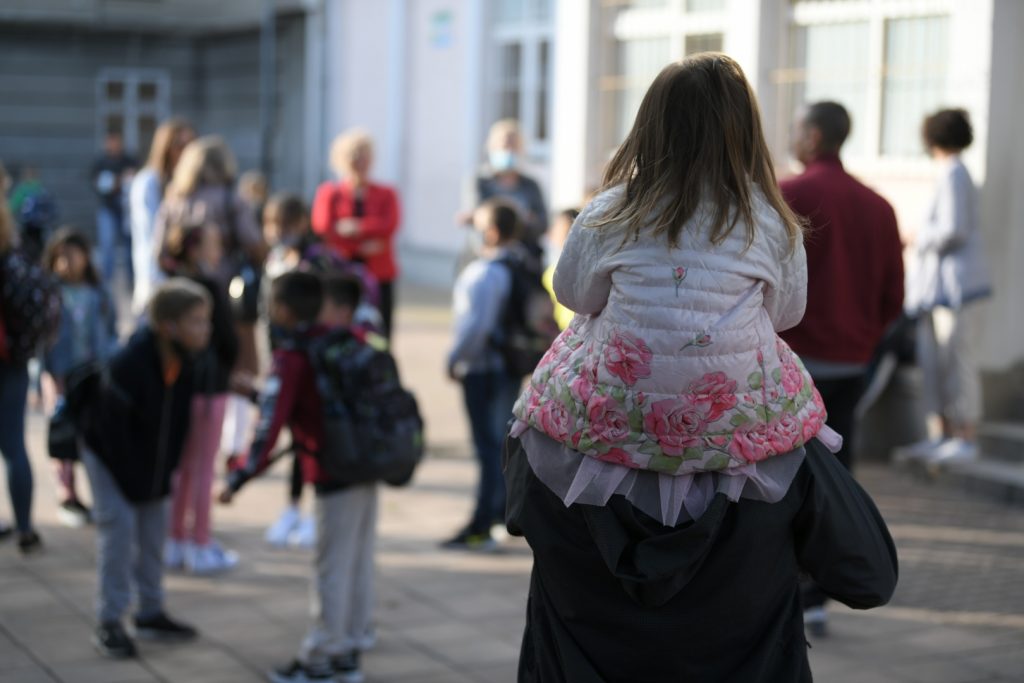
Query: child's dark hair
180, 240
948, 129
174, 298
70, 237
289, 207
342, 289
504, 217
569, 214
301, 293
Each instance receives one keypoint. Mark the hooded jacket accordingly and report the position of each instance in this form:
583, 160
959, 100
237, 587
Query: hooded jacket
615, 596
140, 420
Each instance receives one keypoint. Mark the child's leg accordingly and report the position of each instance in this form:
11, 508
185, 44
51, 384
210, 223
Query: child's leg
481, 393
360, 629
181, 491
336, 551
150, 533
295, 484
208, 420
115, 535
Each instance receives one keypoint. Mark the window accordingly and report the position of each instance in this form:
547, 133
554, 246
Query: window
522, 34
703, 42
644, 36
132, 102
886, 61
914, 80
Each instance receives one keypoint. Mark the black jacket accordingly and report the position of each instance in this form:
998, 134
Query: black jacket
617, 596
139, 425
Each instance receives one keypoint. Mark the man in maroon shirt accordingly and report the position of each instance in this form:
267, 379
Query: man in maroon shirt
854, 278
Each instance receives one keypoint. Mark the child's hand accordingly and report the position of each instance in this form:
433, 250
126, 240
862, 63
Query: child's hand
347, 227
225, 497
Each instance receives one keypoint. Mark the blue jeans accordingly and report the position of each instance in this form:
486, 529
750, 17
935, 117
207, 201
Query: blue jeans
13, 396
110, 237
489, 398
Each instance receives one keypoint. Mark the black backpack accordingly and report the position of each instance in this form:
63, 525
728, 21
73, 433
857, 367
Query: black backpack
528, 323
372, 426
76, 412
29, 305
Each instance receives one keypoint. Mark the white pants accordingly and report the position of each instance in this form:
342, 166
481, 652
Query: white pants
952, 388
343, 595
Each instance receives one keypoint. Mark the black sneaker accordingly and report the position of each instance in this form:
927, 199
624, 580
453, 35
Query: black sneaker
30, 543
72, 513
297, 672
112, 641
164, 629
471, 540
6, 531
346, 668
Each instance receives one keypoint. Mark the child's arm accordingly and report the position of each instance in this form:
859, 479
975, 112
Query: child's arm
581, 282
841, 539
786, 297
478, 309
277, 400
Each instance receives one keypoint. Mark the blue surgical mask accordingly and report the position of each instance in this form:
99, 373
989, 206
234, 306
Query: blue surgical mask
502, 159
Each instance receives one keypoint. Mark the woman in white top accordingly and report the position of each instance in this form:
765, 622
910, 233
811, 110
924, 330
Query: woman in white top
948, 271
145, 196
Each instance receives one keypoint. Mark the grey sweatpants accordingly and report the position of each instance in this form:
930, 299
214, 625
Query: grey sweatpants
342, 596
129, 547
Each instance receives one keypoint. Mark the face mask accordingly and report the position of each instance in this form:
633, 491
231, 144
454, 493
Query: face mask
502, 160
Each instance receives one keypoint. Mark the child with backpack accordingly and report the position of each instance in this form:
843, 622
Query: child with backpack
87, 334
135, 429
483, 295
29, 319
346, 512
193, 250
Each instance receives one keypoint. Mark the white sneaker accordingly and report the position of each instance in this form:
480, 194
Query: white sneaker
925, 450
175, 552
210, 559
304, 535
278, 533
956, 450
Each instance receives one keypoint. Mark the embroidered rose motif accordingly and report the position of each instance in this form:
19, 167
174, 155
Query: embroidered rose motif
792, 379
751, 442
701, 341
678, 275
814, 419
785, 433
608, 421
677, 425
715, 392
582, 388
617, 456
553, 419
628, 357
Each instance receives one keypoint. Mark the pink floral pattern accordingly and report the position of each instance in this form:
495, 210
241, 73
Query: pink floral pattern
628, 357
594, 398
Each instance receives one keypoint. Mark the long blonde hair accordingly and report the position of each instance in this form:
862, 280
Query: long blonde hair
205, 161
347, 146
164, 139
697, 137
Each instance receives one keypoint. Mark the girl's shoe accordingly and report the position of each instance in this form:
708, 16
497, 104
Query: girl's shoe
174, 554
73, 514
205, 560
6, 531
280, 531
304, 535
30, 543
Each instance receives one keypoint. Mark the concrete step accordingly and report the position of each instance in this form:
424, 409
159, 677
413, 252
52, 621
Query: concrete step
1002, 440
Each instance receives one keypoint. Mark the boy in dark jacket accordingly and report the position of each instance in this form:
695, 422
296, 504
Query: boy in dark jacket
346, 515
134, 438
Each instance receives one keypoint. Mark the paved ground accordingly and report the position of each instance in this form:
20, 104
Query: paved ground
958, 615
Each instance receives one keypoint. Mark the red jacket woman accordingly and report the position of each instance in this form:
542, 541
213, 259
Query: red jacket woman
359, 219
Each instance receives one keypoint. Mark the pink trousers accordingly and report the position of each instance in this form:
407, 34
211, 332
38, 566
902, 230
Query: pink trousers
193, 485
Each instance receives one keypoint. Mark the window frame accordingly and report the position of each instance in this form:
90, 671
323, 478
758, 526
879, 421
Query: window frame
130, 108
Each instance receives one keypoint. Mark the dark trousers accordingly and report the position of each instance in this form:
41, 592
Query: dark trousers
387, 307
489, 398
840, 396
13, 395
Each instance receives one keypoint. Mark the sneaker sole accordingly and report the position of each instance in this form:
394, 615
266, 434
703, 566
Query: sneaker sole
71, 520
